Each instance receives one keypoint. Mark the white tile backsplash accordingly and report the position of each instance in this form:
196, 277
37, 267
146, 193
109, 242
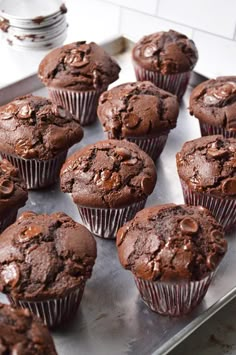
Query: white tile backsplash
216, 55
92, 20
215, 16
149, 6
135, 25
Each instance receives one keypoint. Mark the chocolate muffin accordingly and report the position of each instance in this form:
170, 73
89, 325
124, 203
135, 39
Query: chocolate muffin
22, 333
76, 74
139, 112
213, 102
207, 171
166, 59
173, 252
45, 261
13, 193
109, 182
35, 136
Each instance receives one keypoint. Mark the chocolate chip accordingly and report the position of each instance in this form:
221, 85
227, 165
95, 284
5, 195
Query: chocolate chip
216, 235
9, 111
229, 186
131, 161
211, 261
25, 112
76, 60
6, 188
149, 50
26, 214
9, 169
217, 153
188, 225
131, 120
123, 153
10, 274
105, 174
24, 149
30, 232
110, 183
58, 111
146, 185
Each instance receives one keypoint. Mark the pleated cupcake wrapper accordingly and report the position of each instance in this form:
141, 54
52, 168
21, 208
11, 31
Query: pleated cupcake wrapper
173, 299
174, 83
105, 223
37, 173
9, 219
53, 311
209, 130
223, 209
82, 105
152, 146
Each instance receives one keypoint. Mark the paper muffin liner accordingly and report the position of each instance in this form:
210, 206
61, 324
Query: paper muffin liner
152, 146
209, 130
174, 83
37, 173
9, 219
105, 222
55, 311
223, 209
82, 105
173, 299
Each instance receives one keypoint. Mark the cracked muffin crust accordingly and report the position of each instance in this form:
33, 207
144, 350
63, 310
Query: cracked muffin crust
214, 102
208, 164
166, 52
23, 334
137, 109
45, 256
171, 243
13, 192
108, 174
78, 66
31, 127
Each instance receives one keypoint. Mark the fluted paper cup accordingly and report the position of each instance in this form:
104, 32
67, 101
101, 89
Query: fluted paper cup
209, 130
55, 311
173, 299
37, 173
82, 105
105, 222
174, 83
8, 219
223, 209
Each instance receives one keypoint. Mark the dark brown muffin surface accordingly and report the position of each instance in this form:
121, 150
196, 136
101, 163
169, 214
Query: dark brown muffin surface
45, 256
21, 333
108, 174
171, 243
214, 102
166, 52
78, 66
208, 164
33, 127
13, 192
137, 109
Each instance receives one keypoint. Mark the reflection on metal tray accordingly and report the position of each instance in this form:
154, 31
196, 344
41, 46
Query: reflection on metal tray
112, 319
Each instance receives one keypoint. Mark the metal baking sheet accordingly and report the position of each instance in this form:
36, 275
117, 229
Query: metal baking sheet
112, 319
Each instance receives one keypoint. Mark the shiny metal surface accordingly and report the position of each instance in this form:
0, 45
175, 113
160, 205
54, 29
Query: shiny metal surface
112, 319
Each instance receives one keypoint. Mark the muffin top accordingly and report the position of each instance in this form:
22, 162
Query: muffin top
13, 192
23, 334
78, 66
45, 256
214, 102
33, 128
137, 109
166, 52
208, 164
109, 174
171, 243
